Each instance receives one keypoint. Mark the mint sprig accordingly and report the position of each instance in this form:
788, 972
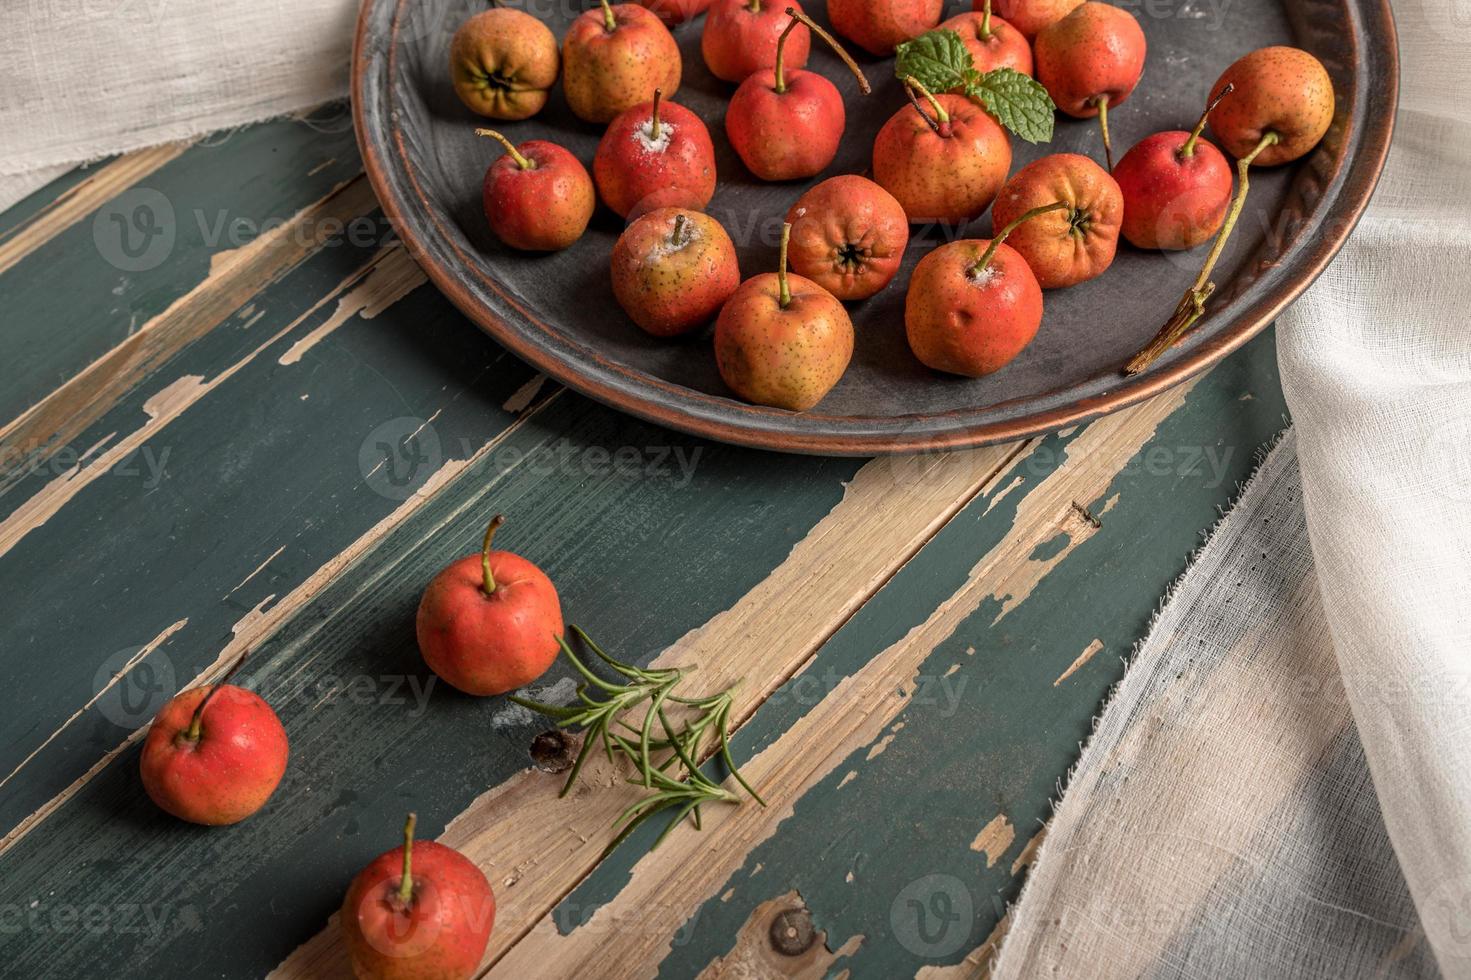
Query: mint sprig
1018, 102
940, 61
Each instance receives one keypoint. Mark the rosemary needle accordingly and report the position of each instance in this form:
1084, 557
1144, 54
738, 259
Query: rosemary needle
599, 710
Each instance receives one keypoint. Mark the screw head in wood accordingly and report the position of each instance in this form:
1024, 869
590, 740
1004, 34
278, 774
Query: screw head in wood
792, 933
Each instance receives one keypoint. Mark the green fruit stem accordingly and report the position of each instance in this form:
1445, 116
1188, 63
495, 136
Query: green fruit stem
1188, 149
1102, 103
1192, 306
941, 122
990, 253
800, 18
488, 580
610, 23
985, 33
680, 234
406, 883
196, 720
783, 286
515, 154
754, 6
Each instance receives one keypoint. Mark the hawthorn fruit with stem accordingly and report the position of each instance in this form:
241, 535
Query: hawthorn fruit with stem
786, 124
1271, 107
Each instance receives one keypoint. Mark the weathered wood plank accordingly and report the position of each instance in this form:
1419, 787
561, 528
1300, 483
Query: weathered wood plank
235, 277
882, 841
88, 190
900, 647
527, 838
143, 506
747, 563
537, 845
626, 540
73, 293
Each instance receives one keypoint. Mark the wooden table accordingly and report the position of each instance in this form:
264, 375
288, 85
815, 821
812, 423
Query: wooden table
236, 417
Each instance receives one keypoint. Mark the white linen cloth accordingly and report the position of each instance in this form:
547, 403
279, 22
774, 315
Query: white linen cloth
1282, 782
1281, 785
83, 79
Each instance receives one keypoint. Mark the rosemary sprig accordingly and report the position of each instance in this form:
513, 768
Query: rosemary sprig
596, 717
599, 712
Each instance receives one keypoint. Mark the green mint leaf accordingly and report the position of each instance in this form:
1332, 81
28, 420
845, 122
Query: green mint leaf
1019, 103
939, 60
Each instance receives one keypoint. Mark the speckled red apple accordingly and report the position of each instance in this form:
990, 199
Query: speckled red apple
1176, 188
943, 158
1069, 245
214, 755
1279, 90
418, 912
879, 26
782, 340
537, 197
786, 124
655, 155
1090, 62
740, 38
490, 622
1031, 16
848, 236
503, 63
673, 269
614, 58
974, 305
991, 41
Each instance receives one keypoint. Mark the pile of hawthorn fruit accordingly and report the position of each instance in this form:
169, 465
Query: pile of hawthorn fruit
785, 339
491, 622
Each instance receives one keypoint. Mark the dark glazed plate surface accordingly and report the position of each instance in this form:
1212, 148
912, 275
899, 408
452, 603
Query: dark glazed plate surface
558, 311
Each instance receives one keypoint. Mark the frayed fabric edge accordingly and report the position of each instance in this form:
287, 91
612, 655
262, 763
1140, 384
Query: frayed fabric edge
1090, 745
